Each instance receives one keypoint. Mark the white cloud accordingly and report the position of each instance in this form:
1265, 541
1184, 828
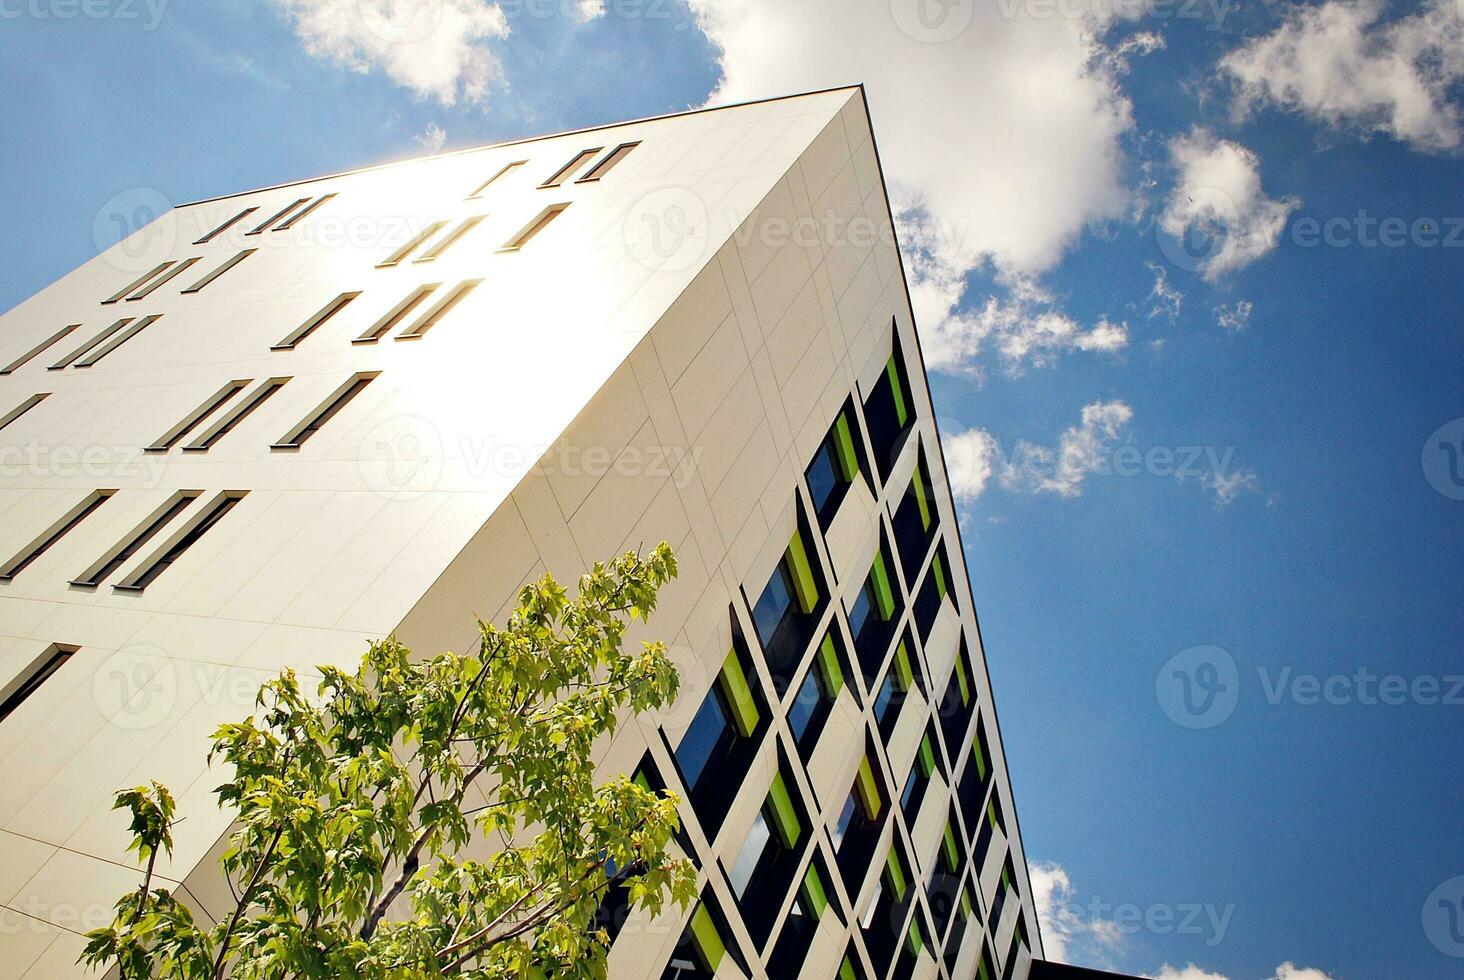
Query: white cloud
1286, 971
1189, 972
1081, 451
1225, 487
1218, 195
1000, 132
1165, 300
588, 10
433, 138
438, 49
1234, 318
971, 460
1337, 64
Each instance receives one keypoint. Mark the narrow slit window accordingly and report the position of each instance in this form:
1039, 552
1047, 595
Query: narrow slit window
54, 533
227, 424
90, 345
495, 178
397, 314
451, 238
118, 341
163, 279
22, 408
441, 309
215, 402
266, 224
569, 169
139, 537
15, 693
137, 284
198, 286
39, 349
200, 526
400, 255
313, 206
534, 227
609, 163
311, 325
226, 226
327, 411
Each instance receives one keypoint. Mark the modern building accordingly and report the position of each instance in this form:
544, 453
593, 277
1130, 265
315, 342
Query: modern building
266, 429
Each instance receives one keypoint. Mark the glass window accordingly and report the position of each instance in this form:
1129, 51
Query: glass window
751, 853
702, 738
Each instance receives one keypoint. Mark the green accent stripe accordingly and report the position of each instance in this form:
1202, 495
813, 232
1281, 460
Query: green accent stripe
917, 483
915, 940
966, 908
846, 970
904, 673
980, 757
705, 940
801, 572
961, 680
884, 595
844, 448
927, 757
784, 816
895, 875
739, 696
902, 412
833, 671
938, 567
813, 892
867, 791
952, 853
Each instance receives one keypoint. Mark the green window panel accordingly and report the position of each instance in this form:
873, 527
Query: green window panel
950, 851
813, 892
915, 939
739, 696
981, 765
904, 672
902, 411
981, 972
866, 791
801, 572
644, 783
833, 671
992, 817
926, 759
844, 448
937, 568
1006, 878
847, 971
884, 595
895, 875
782, 813
967, 909
961, 680
706, 941
918, 484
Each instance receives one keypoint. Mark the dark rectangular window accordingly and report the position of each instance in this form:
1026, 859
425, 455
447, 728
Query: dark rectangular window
569, 169
816, 695
311, 325
215, 512
198, 286
40, 348
325, 412
137, 283
788, 607
265, 225
85, 348
413, 243
534, 227
22, 408
397, 314
835, 466
15, 693
610, 162
163, 279
451, 238
226, 226
889, 411
54, 533
226, 425
139, 537
290, 222
496, 177
214, 402
439, 310
118, 341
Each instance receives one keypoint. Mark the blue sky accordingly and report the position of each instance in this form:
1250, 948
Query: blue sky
1224, 442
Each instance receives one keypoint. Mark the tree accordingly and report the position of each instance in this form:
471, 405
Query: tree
357, 809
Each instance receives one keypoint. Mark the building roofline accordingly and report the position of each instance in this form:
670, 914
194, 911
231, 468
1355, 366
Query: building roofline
859, 87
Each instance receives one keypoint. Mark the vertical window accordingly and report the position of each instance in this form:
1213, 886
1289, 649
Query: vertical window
441, 309
311, 325
835, 466
568, 170
889, 411
212, 404
199, 286
85, 348
397, 314
122, 338
163, 279
54, 533
703, 945
327, 411
818, 692
22, 408
241, 412
226, 226
137, 283
920, 773
413, 243
139, 537
729, 711
609, 163
290, 222
534, 227
496, 177
793, 593
451, 238
200, 526
264, 225
13, 694
899, 680
40, 348
873, 612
